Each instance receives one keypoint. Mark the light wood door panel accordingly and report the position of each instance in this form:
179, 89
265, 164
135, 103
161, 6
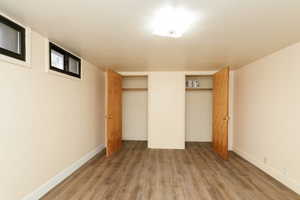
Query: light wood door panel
220, 112
113, 112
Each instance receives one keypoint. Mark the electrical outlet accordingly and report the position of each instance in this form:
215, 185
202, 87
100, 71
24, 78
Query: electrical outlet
265, 160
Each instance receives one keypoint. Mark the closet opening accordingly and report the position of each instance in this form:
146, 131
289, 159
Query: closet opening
135, 108
199, 108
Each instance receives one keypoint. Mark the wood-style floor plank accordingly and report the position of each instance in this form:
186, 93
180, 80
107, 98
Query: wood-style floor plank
139, 173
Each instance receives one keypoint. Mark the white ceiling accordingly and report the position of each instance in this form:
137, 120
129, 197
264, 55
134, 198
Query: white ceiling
117, 33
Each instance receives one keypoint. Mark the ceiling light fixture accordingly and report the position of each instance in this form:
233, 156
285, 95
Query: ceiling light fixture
172, 22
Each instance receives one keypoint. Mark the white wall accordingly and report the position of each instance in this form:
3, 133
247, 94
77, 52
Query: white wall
135, 82
166, 110
199, 116
48, 121
135, 109
267, 107
135, 115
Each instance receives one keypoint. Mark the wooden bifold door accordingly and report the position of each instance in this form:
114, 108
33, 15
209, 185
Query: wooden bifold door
113, 112
220, 112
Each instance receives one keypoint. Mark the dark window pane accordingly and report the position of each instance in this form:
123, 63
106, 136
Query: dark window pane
10, 39
73, 65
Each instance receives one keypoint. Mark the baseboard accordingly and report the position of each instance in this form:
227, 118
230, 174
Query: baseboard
54, 181
275, 173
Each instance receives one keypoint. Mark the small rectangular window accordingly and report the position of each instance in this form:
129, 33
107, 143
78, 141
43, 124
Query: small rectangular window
64, 62
12, 39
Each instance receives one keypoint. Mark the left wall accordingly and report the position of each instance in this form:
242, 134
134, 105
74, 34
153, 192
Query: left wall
48, 121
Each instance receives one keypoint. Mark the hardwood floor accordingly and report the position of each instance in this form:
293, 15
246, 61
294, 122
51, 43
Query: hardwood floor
195, 173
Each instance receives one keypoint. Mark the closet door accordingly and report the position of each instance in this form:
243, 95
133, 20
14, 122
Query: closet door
113, 112
220, 112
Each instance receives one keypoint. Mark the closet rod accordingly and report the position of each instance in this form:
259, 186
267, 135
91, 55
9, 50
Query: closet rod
208, 76
196, 89
134, 89
134, 76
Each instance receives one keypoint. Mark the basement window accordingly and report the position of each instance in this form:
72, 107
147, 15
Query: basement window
63, 61
12, 39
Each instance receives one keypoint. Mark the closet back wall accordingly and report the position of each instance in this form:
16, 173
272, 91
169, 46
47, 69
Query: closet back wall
198, 116
135, 104
199, 111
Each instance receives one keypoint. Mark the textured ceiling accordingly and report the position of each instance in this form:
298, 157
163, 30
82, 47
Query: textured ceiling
117, 34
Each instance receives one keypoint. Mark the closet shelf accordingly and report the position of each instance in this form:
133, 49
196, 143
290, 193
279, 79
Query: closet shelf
134, 89
134, 76
199, 76
196, 89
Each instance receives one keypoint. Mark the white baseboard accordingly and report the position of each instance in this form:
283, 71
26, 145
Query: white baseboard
275, 173
54, 181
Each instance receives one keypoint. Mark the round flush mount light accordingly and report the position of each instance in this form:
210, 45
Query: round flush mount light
172, 21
